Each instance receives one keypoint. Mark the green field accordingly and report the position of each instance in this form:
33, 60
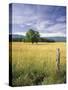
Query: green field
35, 64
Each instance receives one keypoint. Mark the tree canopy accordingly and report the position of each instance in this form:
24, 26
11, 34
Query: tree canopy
32, 36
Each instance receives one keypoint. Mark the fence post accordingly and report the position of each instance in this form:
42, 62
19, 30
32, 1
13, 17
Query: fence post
58, 59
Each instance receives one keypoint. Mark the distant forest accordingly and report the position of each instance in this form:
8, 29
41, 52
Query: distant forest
21, 38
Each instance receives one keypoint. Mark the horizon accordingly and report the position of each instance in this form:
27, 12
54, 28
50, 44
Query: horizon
41, 35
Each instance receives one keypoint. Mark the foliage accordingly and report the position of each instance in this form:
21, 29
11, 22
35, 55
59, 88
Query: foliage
43, 39
32, 36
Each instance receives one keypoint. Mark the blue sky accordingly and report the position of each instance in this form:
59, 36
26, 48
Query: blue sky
48, 20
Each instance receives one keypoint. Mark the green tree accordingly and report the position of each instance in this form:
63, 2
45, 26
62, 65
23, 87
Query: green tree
32, 36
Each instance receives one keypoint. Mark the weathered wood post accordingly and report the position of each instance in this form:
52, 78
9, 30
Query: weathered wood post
58, 59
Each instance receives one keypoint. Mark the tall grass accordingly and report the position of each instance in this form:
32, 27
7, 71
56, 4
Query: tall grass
35, 64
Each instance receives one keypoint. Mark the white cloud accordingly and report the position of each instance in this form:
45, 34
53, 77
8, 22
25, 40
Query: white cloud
61, 19
42, 24
56, 29
29, 18
45, 19
19, 33
17, 19
43, 34
28, 23
52, 35
24, 19
59, 27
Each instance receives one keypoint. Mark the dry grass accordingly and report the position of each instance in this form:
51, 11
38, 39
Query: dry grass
34, 64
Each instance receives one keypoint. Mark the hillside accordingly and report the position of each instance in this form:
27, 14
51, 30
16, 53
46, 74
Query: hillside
16, 37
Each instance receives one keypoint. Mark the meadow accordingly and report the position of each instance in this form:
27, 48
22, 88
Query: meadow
35, 64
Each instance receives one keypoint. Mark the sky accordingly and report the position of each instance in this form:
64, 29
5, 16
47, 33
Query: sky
48, 20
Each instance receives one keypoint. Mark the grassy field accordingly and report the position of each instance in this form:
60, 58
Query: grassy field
35, 64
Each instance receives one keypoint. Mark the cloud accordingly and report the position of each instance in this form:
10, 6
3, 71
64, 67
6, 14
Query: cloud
52, 35
43, 24
24, 19
47, 26
19, 33
43, 34
58, 27
48, 20
61, 19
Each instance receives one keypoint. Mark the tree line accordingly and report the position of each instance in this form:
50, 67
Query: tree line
31, 36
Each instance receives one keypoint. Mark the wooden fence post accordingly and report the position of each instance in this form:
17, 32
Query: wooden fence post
58, 59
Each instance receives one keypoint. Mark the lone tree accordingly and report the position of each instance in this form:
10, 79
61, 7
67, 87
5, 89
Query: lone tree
32, 36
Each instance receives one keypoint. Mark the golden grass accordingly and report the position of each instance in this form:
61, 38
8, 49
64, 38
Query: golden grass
41, 57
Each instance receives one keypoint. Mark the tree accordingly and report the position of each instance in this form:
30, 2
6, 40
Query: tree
32, 36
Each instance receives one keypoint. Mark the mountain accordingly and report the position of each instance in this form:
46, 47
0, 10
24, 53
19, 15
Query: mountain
57, 39
16, 37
